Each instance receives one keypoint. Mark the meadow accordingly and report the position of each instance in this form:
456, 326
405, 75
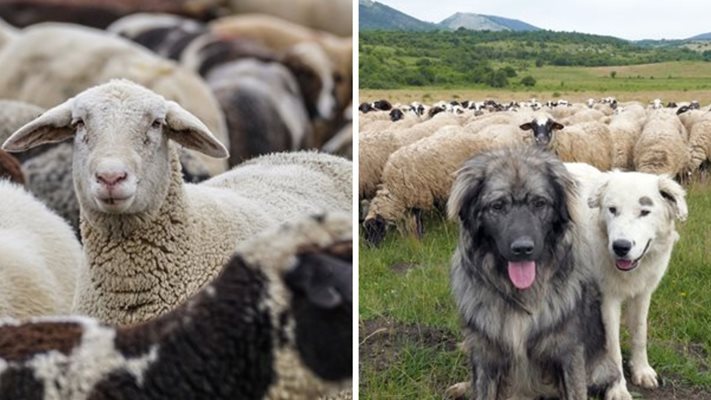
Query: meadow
669, 81
409, 328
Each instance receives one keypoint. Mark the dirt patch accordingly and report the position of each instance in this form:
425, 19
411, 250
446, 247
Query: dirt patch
381, 342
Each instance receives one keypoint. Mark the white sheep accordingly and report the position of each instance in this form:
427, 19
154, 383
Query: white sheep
150, 240
46, 63
662, 147
700, 142
625, 129
276, 324
40, 257
419, 176
374, 149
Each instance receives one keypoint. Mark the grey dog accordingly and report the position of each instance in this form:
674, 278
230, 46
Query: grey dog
522, 281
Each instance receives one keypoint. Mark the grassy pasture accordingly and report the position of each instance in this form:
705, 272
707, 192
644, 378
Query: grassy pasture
409, 327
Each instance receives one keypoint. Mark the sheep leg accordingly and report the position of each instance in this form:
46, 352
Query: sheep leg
419, 227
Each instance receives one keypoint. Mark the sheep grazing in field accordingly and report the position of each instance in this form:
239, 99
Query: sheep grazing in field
662, 147
10, 168
275, 324
700, 142
150, 240
46, 63
418, 177
376, 148
625, 129
40, 257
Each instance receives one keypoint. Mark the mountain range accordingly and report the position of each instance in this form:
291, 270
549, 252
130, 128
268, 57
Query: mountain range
375, 15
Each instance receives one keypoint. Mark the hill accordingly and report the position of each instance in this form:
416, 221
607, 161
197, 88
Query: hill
378, 16
703, 36
479, 22
374, 15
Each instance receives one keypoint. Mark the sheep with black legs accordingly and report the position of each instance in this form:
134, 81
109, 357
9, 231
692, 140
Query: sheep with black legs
150, 240
275, 324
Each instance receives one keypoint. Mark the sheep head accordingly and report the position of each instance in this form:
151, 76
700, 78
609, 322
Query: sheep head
121, 132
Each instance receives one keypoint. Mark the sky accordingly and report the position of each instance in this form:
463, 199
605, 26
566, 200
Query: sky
626, 19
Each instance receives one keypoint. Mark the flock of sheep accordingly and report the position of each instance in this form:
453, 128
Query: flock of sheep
148, 169
409, 153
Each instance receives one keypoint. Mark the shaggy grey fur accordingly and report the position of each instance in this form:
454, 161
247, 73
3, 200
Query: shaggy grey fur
547, 339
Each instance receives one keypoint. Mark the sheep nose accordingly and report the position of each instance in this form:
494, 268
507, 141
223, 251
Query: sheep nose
111, 178
522, 247
621, 247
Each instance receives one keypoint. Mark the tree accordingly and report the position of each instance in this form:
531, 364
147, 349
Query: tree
528, 80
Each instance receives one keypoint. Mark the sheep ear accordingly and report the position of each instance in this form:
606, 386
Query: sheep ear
595, 198
190, 132
556, 126
54, 125
675, 196
526, 127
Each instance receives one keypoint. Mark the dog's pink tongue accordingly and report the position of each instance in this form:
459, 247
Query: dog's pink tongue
522, 273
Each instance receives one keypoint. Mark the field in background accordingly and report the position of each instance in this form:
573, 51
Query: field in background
678, 81
409, 327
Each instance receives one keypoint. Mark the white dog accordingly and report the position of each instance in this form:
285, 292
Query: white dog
631, 227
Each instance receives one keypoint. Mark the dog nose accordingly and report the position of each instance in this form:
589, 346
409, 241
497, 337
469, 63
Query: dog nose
621, 247
522, 247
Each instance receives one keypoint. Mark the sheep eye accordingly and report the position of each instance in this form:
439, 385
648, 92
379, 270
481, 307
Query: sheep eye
644, 213
613, 210
157, 124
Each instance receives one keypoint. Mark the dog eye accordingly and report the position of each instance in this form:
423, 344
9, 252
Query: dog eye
612, 210
644, 213
78, 123
539, 203
497, 205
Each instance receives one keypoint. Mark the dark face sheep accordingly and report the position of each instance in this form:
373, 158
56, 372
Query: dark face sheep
365, 108
276, 323
396, 115
382, 105
543, 129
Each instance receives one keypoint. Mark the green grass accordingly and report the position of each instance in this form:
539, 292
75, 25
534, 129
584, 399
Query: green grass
404, 286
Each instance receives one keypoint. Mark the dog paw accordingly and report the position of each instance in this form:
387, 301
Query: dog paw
457, 391
618, 392
645, 377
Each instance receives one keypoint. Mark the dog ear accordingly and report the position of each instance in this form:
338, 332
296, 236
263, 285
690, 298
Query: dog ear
595, 198
675, 197
564, 188
465, 192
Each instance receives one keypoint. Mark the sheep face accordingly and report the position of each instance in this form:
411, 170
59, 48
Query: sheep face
121, 152
543, 129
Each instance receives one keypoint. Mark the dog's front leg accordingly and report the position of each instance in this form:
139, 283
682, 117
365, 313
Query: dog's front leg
637, 310
573, 384
611, 311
